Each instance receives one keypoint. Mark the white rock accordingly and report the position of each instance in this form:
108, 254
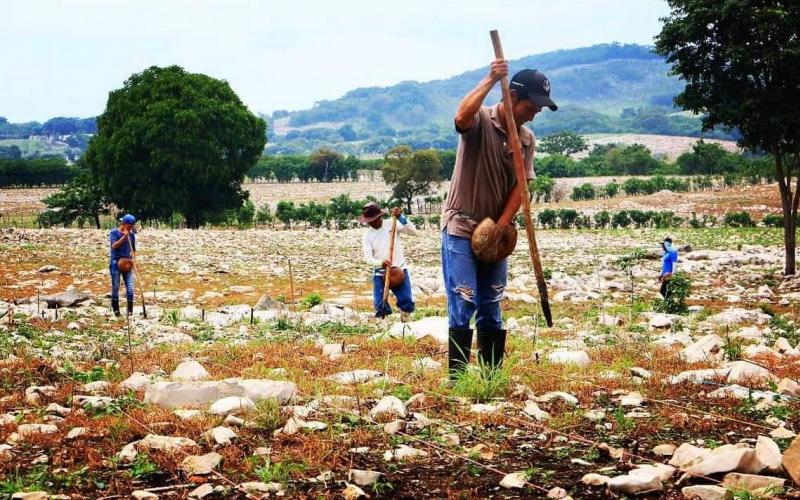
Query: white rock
202, 491
427, 364
631, 399
769, 454
686, 454
76, 432
632, 484
514, 480
200, 465
580, 358
138, 381
355, 376
595, 415
222, 435
364, 477
664, 472
393, 428
707, 348
164, 443
189, 370
727, 460
179, 394
735, 316
92, 402
388, 406
704, 492
532, 409
57, 409
436, 327
484, 409
556, 395
404, 452
742, 371
188, 414
782, 433
233, 405
661, 321
260, 487
28, 430
353, 492
664, 450
128, 453
788, 386
593, 479
143, 495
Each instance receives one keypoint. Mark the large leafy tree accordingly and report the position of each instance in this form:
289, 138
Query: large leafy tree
411, 173
172, 141
741, 63
563, 143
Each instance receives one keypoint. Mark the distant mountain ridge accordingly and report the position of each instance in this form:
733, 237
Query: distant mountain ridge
606, 88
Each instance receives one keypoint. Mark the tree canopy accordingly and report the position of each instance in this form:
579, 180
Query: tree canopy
173, 141
411, 173
741, 63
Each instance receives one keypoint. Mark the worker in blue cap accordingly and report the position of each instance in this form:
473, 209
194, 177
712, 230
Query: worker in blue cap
123, 249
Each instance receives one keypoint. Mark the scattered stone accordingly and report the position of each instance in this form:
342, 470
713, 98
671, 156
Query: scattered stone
165, 443
143, 495
179, 394
49, 268
707, 348
6, 455
388, 406
661, 321
769, 454
640, 372
427, 364
190, 370
353, 492
128, 453
782, 433
744, 371
484, 409
563, 396
514, 480
595, 415
70, 298
593, 479
631, 484
28, 430
233, 405
200, 465
791, 461
393, 428
404, 452
355, 377
664, 450
727, 459
202, 491
234, 421
752, 483
138, 381
221, 435
364, 477
76, 432
188, 414
259, 487
557, 492
579, 358
631, 399
704, 492
534, 411
57, 409
92, 402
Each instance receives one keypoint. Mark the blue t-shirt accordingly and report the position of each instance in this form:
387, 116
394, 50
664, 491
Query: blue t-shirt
668, 260
124, 250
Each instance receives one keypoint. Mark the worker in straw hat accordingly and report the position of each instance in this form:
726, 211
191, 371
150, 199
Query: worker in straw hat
376, 246
122, 242
484, 185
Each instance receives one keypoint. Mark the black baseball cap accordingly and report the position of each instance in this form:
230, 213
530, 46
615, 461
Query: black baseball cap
533, 85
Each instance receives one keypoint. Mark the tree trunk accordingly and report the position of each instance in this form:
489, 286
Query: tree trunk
96, 217
789, 203
408, 205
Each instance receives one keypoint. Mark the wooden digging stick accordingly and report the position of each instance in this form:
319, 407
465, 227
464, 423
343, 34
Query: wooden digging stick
519, 167
392, 234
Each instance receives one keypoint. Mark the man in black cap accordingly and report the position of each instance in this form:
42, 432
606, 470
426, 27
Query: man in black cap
375, 246
484, 184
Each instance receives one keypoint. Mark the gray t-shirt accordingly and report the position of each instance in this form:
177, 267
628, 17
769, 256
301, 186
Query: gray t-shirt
484, 175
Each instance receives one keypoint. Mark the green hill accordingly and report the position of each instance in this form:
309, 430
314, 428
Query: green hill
608, 88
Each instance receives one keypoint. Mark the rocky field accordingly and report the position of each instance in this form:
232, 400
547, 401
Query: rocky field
259, 372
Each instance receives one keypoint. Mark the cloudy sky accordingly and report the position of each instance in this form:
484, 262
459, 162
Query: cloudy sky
61, 58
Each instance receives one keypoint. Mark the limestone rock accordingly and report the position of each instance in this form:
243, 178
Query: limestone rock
514, 480
791, 461
364, 477
388, 406
189, 370
752, 483
704, 492
355, 376
200, 465
180, 394
707, 348
580, 358
404, 452
632, 484
769, 454
69, 298
165, 443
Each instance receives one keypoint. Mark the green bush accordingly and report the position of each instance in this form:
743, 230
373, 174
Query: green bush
739, 219
678, 289
547, 218
311, 300
773, 220
620, 219
435, 220
567, 218
602, 219
611, 189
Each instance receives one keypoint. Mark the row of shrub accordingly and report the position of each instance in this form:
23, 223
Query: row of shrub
48, 171
567, 218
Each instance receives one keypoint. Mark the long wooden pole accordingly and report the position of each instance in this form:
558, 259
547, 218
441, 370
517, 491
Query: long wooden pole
392, 234
519, 168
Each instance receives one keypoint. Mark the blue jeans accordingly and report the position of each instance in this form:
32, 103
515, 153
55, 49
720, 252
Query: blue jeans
472, 286
128, 277
402, 293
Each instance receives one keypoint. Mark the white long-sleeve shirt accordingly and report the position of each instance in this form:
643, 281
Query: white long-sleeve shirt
375, 243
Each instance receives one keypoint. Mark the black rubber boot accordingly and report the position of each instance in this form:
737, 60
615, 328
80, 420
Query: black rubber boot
130, 308
458, 351
491, 347
115, 307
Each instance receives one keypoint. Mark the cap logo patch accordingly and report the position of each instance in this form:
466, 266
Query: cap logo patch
546, 85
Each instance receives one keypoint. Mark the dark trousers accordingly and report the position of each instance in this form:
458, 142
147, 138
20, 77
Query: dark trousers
664, 288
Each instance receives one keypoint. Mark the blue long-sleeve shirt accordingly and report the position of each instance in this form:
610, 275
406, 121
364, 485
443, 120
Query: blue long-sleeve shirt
669, 259
124, 250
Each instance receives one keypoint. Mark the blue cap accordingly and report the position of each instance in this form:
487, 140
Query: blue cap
128, 219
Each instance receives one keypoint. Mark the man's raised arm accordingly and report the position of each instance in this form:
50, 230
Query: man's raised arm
471, 103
